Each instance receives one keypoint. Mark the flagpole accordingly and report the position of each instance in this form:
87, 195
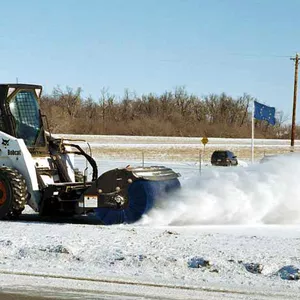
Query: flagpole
252, 134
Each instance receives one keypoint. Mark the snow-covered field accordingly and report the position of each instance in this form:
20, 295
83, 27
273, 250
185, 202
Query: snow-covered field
178, 149
230, 233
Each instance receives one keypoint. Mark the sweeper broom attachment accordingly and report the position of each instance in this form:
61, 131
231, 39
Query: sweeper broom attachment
126, 194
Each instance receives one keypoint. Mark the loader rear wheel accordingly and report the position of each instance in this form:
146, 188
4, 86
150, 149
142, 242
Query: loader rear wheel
13, 193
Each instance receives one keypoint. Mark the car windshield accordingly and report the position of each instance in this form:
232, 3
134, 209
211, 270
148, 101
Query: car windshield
25, 110
219, 154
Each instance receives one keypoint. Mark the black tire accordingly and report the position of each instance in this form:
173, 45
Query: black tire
13, 193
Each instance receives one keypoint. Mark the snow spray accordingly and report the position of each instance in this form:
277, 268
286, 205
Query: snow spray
263, 193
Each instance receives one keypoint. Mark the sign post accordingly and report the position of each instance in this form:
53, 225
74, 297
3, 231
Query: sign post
204, 141
200, 161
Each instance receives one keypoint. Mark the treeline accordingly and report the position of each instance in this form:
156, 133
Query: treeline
173, 113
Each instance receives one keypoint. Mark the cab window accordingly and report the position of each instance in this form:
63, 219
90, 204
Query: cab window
25, 111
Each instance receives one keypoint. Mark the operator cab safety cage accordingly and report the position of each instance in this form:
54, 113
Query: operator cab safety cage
20, 115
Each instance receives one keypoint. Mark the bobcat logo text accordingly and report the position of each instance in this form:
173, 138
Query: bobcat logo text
14, 152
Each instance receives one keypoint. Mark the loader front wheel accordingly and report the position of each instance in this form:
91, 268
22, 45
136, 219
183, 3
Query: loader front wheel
13, 193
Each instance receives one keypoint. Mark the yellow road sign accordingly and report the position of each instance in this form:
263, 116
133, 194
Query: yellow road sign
204, 140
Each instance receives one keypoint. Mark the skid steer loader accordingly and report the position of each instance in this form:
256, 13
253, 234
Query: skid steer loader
37, 169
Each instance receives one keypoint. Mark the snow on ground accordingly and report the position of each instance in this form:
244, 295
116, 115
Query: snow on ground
178, 149
225, 235
148, 254
117, 139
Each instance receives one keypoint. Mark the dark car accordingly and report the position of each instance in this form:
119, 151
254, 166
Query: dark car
223, 158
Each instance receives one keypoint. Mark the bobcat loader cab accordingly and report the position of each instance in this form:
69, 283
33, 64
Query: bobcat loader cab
38, 169
21, 116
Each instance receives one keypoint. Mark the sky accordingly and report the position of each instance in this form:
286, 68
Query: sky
215, 46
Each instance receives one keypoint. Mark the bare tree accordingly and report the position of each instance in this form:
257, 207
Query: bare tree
106, 102
69, 99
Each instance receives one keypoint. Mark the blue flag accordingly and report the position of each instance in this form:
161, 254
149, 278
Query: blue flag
264, 112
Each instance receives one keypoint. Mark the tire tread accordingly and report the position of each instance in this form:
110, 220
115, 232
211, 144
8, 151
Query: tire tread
19, 190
